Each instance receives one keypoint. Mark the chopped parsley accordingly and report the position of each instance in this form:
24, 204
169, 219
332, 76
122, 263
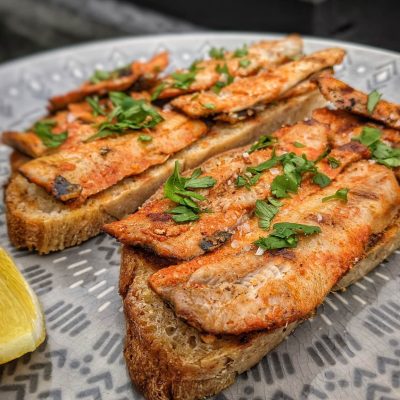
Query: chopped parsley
177, 189
293, 169
244, 63
333, 162
285, 234
380, 151
227, 78
145, 138
266, 211
94, 103
241, 52
373, 100
209, 106
298, 145
340, 194
100, 75
217, 53
44, 128
127, 114
263, 142
183, 80
321, 179
157, 91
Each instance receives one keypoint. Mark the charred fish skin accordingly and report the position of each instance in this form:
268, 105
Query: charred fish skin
234, 290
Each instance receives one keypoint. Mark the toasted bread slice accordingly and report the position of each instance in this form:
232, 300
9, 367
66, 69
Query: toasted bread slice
168, 359
37, 221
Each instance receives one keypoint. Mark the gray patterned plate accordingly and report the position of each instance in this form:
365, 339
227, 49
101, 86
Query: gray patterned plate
350, 349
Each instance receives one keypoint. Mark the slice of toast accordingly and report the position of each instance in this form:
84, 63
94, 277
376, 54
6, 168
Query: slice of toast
37, 221
168, 359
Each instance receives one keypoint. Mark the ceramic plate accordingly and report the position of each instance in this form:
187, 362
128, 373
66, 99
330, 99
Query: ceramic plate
350, 349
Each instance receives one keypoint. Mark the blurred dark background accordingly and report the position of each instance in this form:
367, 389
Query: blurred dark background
29, 26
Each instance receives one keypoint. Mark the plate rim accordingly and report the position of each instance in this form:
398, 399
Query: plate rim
43, 56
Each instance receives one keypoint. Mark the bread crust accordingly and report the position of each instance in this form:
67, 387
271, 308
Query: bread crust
163, 367
36, 221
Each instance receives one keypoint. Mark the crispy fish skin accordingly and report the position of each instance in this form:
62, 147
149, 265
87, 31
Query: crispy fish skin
147, 70
344, 97
75, 121
262, 88
261, 55
233, 290
82, 171
153, 228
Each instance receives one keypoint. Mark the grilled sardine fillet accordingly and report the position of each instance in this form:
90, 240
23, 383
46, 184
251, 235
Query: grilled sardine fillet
118, 80
259, 89
153, 228
80, 172
235, 290
261, 55
344, 97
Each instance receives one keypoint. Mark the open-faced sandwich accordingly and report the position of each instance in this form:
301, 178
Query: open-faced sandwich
223, 261
107, 146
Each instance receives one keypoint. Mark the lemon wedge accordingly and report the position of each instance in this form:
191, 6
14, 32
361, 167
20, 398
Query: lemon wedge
22, 326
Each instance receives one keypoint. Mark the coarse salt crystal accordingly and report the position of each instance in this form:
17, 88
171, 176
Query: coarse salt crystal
70, 117
319, 217
234, 244
274, 171
245, 155
260, 251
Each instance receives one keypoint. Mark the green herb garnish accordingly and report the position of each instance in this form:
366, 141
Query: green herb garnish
183, 80
333, 162
145, 138
227, 78
127, 114
285, 235
176, 189
263, 142
266, 211
95, 105
373, 100
157, 91
298, 145
99, 76
340, 194
321, 179
380, 151
217, 53
241, 52
209, 106
44, 128
244, 63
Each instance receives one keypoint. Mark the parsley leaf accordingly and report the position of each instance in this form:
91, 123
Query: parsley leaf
333, 162
373, 100
368, 136
157, 91
227, 78
244, 63
175, 189
99, 76
241, 52
282, 185
380, 151
209, 106
285, 235
298, 145
266, 211
44, 128
127, 114
340, 194
321, 179
217, 54
95, 105
145, 138
183, 80
263, 142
